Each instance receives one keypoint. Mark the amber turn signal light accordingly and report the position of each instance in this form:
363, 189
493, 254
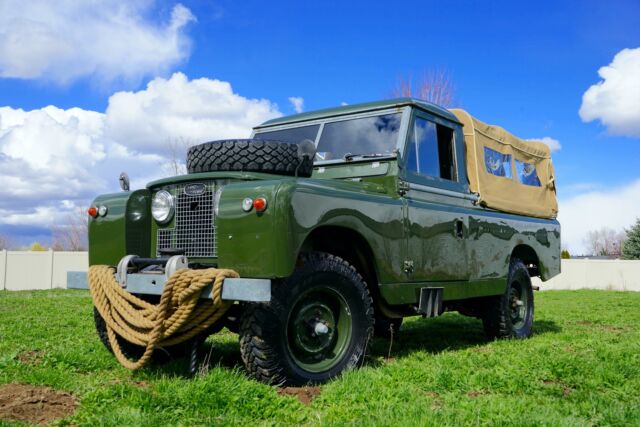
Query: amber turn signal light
92, 211
260, 204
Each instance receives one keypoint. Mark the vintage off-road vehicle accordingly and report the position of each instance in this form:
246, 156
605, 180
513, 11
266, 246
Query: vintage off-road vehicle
341, 222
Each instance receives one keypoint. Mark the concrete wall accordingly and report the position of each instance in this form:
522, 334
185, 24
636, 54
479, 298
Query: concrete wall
45, 270
25, 270
615, 275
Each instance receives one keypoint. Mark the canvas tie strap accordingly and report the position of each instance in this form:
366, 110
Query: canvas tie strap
179, 316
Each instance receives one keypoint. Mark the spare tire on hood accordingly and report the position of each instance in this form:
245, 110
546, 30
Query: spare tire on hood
252, 155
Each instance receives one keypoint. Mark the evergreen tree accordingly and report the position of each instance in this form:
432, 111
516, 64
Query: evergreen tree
631, 247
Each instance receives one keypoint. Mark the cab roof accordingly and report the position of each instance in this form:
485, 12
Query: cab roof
359, 108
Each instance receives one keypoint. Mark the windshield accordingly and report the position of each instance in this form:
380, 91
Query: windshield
366, 136
292, 135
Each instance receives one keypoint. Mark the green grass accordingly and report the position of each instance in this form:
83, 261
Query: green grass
582, 367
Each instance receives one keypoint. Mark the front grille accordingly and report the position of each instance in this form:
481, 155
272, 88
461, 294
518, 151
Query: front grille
194, 228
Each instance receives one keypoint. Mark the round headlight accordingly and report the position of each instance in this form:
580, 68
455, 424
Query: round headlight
162, 206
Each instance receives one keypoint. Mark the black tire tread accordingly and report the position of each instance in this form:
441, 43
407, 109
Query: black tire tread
260, 357
495, 317
248, 155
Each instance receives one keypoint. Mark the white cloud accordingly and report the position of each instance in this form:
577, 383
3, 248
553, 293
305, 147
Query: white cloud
615, 208
178, 108
615, 100
64, 40
298, 103
553, 143
51, 155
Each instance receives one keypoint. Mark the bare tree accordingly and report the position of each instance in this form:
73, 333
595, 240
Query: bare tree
435, 86
71, 234
605, 241
5, 242
176, 149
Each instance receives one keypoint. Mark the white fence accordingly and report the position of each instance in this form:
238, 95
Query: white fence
46, 270
25, 270
613, 275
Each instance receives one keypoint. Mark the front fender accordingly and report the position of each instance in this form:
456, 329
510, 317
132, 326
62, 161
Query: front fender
250, 242
268, 245
124, 230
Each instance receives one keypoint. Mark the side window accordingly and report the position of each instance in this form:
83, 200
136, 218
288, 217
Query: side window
497, 163
431, 150
527, 174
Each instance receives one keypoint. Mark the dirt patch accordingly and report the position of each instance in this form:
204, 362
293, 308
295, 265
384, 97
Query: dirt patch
584, 323
606, 328
30, 357
304, 394
482, 350
566, 390
614, 329
34, 404
476, 393
436, 402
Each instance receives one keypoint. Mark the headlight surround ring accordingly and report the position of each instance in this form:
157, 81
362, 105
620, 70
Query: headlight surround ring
216, 199
162, 207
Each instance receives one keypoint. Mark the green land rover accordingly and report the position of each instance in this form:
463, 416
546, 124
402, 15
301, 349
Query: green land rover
339, 223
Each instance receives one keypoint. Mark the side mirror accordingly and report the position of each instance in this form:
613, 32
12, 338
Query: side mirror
307, 148
124, 181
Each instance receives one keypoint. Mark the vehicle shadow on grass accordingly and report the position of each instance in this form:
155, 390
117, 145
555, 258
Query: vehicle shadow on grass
211, 354
446, 333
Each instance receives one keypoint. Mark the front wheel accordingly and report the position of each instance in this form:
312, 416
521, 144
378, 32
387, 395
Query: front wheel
511, 315
133, 351
317, 325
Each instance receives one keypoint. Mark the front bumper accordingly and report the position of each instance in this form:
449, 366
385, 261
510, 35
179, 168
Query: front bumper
152, 282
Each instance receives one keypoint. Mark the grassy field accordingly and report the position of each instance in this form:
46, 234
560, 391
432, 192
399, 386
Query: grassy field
582, 367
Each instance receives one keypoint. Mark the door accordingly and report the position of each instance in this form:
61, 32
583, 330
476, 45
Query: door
437, 217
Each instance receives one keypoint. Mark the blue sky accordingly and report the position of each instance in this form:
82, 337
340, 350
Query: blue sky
524, 66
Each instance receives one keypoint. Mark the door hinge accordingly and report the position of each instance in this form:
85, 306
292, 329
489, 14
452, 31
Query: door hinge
403, 187
407, 266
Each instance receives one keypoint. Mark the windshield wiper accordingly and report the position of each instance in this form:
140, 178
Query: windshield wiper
349, 157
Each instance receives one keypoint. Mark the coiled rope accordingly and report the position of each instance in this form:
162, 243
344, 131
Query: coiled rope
179, 316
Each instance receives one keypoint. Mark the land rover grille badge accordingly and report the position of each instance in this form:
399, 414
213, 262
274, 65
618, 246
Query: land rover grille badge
195, 189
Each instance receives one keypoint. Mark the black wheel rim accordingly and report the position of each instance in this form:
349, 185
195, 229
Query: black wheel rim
319, 330
518, 305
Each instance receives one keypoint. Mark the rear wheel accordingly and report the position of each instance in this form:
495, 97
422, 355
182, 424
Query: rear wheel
317, 325
511, 315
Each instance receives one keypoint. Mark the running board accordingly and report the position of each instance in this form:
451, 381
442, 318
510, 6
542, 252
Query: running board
430, 302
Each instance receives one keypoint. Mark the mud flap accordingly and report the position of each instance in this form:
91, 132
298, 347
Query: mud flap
430, 302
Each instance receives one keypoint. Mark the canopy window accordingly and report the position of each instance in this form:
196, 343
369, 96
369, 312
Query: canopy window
509, 174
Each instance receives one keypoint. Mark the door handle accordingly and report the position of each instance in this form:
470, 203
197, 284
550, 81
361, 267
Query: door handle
459, 229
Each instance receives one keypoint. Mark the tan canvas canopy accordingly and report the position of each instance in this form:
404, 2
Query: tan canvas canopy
508, 173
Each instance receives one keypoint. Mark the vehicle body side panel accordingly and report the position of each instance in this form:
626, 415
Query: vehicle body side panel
437, 253
493, 236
